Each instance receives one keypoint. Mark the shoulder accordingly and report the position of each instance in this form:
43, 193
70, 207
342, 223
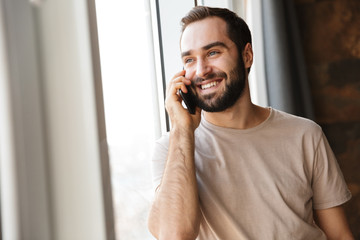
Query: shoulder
288, 120
290, 126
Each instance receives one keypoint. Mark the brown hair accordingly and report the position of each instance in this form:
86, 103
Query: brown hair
237, 29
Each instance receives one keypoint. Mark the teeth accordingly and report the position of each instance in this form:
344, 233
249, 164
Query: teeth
209, 85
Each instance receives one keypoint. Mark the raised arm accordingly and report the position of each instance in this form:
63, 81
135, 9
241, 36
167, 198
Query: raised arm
175, 213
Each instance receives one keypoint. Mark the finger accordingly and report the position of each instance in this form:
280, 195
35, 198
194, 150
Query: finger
174, 80
179, 77
178, 82
174, 89
181, 73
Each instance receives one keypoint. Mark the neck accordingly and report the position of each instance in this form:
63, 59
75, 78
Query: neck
244, 114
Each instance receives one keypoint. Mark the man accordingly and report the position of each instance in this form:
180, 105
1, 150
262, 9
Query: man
236, 170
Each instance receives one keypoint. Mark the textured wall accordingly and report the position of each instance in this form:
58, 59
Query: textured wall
330, 31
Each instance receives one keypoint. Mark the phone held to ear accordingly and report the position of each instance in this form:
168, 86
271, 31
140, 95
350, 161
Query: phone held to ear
189, 100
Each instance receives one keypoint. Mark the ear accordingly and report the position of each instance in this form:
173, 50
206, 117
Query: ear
248, 55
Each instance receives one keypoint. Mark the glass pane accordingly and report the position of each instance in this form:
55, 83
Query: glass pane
126, 62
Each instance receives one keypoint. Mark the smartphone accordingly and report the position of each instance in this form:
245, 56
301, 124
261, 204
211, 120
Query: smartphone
189, 100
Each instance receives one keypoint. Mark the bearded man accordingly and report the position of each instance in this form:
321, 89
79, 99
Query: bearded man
235, 170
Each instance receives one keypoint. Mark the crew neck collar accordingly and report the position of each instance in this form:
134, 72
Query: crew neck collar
209, 125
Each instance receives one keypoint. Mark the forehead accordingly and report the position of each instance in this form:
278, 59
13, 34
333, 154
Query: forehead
203, 32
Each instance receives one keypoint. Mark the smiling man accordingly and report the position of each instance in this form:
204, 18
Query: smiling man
234, 170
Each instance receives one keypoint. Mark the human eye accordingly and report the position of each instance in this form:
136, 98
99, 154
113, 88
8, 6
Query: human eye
213, 53
188, 60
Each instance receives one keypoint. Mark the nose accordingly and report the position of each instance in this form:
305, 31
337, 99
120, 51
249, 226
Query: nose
202, 68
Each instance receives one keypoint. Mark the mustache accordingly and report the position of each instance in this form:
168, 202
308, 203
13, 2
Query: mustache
196, 80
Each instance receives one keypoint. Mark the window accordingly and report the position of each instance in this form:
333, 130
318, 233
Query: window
135, 69
126, 65
133, 98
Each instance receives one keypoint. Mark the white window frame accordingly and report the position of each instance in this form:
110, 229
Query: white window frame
52, 143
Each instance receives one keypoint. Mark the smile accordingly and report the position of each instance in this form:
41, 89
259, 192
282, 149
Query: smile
209, 85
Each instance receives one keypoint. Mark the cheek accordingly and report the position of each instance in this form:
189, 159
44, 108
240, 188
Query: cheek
224, 64
190, 72
229, 65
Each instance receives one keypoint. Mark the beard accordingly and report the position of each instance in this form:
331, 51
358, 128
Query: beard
234, 87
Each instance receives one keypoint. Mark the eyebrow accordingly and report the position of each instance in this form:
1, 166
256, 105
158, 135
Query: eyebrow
207, 47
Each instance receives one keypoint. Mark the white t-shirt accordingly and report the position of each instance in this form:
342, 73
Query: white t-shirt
262, 182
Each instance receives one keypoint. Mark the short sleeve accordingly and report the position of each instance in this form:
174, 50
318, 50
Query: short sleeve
158, 160
329, 186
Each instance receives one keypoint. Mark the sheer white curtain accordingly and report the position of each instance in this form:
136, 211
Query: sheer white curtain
257, 78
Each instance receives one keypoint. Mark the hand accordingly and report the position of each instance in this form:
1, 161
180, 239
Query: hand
179, 116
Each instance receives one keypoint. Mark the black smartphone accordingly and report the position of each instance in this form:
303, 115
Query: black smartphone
189, 100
